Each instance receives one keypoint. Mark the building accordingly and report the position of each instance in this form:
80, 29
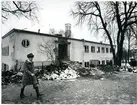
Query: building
16, 44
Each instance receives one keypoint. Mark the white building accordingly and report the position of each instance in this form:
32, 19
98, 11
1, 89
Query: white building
16, 44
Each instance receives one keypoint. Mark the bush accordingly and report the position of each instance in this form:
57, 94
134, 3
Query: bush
133, 62
108, 68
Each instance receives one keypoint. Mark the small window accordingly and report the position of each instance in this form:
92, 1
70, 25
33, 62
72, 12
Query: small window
86, 64
103, 62
25, 43
103, 50
86, 48
99, 62
107, 62
5, 51
110, 50
98, 51
106, 50
93, 49
5, 67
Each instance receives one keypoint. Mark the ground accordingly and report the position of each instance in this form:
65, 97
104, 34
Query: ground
120, 88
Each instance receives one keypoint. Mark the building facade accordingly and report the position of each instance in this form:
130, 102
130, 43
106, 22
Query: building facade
16, 44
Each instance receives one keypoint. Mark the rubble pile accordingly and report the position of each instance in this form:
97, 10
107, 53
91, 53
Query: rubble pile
128, 68
11, 77
17, 78
70, 70
68, 73
73, 65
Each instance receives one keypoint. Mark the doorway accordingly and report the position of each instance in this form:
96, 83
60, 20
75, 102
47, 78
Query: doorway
63, 52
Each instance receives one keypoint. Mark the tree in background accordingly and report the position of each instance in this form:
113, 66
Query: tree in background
27, 9
52, 31
129, 41
47, 48
125, 55
103, 16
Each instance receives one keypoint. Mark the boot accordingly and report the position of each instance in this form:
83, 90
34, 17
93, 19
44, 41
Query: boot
37, 92
22, 93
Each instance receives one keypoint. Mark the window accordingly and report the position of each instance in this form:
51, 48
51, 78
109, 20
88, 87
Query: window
106, 50
93, 49
107, 62
5, 51
98, 51
103, 50
103, 62
5, 67
110, 50
25, 43
86, 48
99, 62
86, 64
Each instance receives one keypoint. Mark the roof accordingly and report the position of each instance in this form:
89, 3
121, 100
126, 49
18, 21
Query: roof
43, 34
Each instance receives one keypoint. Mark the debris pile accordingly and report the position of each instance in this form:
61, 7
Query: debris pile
73, 65
17, 77
128, 68
11, 77
69, 70
68, 73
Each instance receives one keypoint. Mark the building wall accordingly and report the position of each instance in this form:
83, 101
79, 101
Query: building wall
77, 51
34, 40
9, 41
97, 56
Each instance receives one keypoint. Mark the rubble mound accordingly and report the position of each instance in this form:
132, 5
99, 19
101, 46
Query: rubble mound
68, 73
69, 70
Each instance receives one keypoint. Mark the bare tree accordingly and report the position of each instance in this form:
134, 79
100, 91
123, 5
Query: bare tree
26, 9
52, 31
129, 40
47, 48
62, 32
102, 16
134, 31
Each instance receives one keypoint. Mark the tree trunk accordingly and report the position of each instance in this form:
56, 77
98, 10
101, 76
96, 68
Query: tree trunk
120, 49
129, 37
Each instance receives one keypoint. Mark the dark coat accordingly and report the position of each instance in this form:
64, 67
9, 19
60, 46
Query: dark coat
28, 69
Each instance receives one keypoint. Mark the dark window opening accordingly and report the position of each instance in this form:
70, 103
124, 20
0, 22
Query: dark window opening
93, 49
110, 50
106, 50
25, 43
86, 64
98, 51
86, 48
103, 62
99, 62
103, 50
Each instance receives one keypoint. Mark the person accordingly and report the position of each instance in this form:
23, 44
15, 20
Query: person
29, 77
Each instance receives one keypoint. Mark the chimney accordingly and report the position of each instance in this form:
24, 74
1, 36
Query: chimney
68, 30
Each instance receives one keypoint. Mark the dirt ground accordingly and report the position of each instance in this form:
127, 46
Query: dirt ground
118, 88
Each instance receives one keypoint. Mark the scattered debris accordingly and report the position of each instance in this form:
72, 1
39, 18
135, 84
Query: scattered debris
66, 70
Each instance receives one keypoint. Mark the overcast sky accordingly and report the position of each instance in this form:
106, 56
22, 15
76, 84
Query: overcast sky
54, 14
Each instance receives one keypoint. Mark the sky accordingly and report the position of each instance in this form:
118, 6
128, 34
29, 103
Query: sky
53, 14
